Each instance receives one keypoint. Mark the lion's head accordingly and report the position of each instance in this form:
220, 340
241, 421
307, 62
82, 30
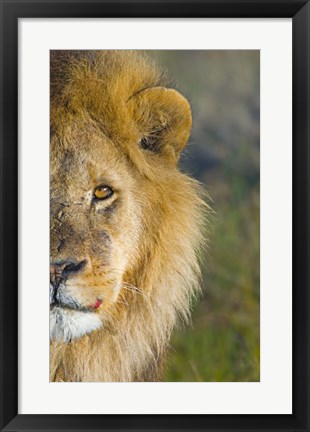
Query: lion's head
125, 223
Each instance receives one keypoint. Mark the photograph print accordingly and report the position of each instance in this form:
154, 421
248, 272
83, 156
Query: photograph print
154, 216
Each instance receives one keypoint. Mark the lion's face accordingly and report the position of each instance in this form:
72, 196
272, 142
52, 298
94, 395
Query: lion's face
95, 230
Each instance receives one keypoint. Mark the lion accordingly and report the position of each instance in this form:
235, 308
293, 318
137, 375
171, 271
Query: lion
126, 225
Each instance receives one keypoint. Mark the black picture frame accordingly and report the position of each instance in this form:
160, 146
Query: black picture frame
11, 11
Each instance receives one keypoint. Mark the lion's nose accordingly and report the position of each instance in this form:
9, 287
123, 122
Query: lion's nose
60, 270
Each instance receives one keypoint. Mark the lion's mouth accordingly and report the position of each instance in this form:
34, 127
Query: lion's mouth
58, 298
69, 319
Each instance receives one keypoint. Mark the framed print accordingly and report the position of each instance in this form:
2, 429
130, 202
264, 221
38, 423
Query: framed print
155, 165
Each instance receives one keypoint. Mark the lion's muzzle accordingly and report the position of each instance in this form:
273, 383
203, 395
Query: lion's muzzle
60, 271
69, 319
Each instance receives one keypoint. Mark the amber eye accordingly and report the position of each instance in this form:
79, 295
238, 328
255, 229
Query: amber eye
103, 192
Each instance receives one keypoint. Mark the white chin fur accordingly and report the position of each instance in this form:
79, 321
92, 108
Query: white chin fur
66, 325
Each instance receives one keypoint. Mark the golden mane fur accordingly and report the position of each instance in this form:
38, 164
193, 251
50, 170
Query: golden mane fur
94, 89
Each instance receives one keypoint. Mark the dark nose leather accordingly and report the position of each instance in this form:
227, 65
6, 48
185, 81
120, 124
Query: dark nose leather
61, 270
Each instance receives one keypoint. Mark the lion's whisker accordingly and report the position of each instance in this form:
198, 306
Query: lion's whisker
132, 290
135, 288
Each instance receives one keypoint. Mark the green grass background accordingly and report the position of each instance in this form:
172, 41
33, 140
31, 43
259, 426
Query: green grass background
223, 342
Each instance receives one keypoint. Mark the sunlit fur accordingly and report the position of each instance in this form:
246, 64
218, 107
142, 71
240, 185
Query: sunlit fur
99, 114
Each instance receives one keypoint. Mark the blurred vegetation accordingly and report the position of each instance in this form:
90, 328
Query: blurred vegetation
223, 87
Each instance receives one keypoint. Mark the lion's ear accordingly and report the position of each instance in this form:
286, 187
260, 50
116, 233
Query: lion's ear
163, 117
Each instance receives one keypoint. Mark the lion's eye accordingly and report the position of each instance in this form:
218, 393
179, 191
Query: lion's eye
103, 192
